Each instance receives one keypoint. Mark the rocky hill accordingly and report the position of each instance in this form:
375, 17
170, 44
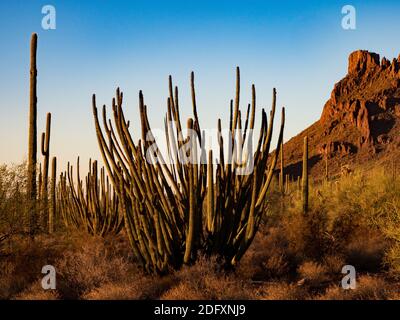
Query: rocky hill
360, 123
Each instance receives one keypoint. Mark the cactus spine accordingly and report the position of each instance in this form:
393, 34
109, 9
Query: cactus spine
32, 140
45, 148
305, 175
53, 205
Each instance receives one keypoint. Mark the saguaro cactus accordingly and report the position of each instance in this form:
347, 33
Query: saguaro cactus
53, 205
32, 140
39, 182
305, 175
45, 177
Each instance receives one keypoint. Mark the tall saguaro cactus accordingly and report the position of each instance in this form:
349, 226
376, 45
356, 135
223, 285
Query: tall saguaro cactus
46, 154
52, 211
32, 140
305, 175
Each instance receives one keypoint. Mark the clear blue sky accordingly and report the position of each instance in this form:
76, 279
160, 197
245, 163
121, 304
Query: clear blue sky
299, 47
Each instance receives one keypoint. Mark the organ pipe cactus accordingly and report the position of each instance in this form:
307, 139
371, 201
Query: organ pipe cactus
32, 140
172, 212
92, 205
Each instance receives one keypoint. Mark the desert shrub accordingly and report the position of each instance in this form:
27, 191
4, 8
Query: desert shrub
12, 201
389, 223
82, 264
36, 292
115, 291
348, 219
205, 280
267, 257
366, 250
367, 288
184, 291
22, 268
307, 235
314, 274
93, 264
282, 291
132, 287
334, 264
392, 259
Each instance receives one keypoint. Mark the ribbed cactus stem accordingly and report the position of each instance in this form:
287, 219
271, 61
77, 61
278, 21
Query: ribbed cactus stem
39, 181
305, 175
210, 194
32, 140
52, 211
237, 101
287, 184
190, 238
45, 146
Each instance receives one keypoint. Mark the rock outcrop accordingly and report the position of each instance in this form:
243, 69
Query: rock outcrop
370, 88
361, 120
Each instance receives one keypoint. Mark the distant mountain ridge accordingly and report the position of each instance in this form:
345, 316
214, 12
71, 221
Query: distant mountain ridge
360, 123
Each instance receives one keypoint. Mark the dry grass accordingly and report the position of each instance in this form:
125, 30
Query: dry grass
368, 288
313, 273
138, 286
205, 281
36, 292
283, 291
